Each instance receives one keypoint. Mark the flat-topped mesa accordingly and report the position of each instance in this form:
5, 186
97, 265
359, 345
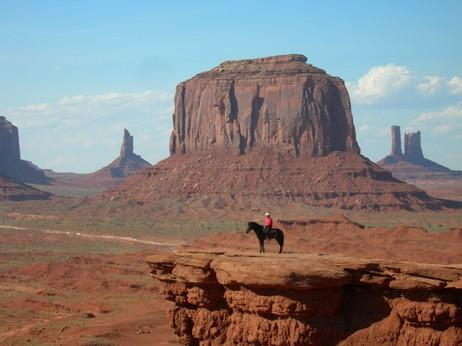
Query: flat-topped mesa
9, 141
127, 144
276, 102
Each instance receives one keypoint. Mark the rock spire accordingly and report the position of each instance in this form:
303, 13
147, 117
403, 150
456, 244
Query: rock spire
413, 147
396, 141
127, 144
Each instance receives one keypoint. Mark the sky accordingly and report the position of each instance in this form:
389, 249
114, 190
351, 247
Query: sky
74, 74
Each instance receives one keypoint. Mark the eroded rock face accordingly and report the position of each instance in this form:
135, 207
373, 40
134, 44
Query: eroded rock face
302, 299
279, 102
250, 134
11, 164
9, 142
413, 147
127, 144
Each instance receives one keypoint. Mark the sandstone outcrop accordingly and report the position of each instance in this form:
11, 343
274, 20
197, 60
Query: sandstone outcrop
11, 190
308, 299
414, 168
277, 102
252, 133
11, 164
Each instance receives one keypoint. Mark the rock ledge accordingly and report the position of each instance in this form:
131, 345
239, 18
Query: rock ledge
226, 298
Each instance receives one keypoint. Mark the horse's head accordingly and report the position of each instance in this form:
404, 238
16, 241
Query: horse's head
250, 226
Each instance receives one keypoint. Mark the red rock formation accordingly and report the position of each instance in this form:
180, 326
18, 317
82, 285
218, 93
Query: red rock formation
302, 299
253, 132
414, 168
277, 102
11, 164
412, 147
396, 141
9, 141
11, 190
127, 145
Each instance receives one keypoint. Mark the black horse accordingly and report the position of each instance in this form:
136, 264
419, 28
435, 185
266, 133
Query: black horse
275, 233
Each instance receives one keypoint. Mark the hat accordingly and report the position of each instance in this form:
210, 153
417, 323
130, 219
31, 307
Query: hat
267, 214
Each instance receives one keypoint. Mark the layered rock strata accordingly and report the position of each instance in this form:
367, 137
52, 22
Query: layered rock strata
11, 190
278, 102
303, 299
256, 132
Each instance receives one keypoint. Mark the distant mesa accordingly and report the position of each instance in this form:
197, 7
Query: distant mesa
413, 167
11, 164
126, 164
412, 151
259, 132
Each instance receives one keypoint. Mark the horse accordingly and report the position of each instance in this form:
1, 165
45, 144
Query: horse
275, 233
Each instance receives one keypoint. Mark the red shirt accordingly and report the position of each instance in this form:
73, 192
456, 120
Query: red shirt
268, 222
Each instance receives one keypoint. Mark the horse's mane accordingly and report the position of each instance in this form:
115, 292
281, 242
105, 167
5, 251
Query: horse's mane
253, 223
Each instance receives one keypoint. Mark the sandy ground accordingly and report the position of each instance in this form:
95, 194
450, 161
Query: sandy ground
51, 293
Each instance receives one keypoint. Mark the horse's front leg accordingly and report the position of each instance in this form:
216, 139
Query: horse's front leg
262, 246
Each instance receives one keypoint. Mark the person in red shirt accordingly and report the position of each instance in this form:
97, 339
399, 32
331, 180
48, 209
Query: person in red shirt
268, 224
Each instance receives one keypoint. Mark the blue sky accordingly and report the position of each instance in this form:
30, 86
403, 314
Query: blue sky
75, 73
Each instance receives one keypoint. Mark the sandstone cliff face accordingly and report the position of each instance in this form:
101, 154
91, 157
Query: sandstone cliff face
279, 102
11, 164
254, 133
242, 299
9, 142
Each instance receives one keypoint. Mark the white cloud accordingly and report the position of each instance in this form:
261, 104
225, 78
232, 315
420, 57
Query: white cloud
81, 133
429, 84
72, 110
379, 83
448, 120
448, 114
455, 85
363, 128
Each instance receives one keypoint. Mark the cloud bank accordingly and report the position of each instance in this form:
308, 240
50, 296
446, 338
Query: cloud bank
82, 133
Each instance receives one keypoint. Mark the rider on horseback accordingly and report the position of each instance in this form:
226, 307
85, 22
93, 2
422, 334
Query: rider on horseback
268, 224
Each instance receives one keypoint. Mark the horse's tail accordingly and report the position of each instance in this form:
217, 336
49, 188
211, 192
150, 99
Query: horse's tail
282, 242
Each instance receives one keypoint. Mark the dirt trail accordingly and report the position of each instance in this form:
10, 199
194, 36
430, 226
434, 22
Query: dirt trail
94, 236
